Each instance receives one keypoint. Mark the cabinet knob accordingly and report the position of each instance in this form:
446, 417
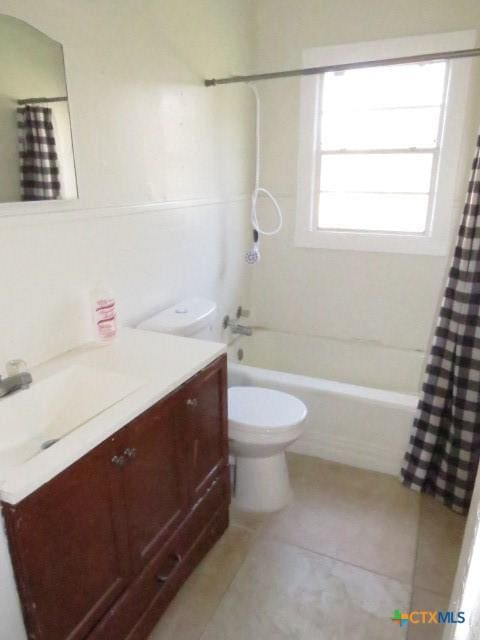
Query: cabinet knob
163, 577
130, 452
119, 461
192, 402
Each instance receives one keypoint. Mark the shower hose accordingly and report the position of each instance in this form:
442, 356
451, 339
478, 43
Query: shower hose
254, 255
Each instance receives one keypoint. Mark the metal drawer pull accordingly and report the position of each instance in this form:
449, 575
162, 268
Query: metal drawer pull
162, 578
119, 460
192, 402
130, 452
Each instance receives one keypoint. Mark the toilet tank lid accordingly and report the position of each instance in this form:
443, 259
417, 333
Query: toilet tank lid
184, 318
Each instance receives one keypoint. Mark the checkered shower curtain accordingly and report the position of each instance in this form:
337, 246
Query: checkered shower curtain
39, 174
443, 453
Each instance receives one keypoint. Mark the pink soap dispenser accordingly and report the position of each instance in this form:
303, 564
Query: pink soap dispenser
104, 314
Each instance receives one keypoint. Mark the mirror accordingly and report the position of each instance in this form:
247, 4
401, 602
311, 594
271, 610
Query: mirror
36, 150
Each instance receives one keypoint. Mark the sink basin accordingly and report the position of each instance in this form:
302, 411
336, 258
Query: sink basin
31, 420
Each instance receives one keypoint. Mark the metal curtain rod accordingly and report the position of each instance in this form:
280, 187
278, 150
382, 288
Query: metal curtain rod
424, 57
40, 100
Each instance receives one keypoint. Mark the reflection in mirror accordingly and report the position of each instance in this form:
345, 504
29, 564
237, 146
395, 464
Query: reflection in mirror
36, 150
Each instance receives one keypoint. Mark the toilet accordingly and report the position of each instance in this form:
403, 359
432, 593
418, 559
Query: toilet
262, 422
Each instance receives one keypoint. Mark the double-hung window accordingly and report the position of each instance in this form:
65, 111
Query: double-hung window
379, 147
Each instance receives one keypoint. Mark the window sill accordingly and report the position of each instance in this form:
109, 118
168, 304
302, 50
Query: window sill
373, 242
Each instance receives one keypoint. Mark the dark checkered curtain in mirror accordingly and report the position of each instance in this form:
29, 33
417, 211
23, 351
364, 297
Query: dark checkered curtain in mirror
442, 457
39, 174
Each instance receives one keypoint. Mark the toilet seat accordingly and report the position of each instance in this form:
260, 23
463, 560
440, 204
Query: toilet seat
257, 413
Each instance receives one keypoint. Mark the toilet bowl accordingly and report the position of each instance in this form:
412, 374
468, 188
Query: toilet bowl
262, 424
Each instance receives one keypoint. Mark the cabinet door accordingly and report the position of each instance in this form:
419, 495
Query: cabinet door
69, 548
205, 410
155, 483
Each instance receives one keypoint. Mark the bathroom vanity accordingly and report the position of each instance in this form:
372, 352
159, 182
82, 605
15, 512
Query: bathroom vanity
101, 547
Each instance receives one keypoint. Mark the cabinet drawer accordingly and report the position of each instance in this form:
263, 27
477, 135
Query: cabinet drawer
216, 494
160, 580
151, 584
205, 541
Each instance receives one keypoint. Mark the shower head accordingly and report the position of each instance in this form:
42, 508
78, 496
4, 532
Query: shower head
252, 255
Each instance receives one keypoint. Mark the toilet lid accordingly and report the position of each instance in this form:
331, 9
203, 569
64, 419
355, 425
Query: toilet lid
257, 408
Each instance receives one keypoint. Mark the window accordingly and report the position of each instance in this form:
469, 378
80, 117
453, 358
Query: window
377, 148
380, 130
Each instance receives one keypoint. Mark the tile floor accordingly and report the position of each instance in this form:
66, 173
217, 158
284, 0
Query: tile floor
353, 546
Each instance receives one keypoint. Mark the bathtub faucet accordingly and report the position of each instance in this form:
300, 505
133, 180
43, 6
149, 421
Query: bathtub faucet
236, 328
241, 329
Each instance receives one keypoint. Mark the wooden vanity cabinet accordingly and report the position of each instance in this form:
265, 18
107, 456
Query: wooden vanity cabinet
101, 549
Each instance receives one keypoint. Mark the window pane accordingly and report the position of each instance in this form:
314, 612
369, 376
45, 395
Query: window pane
398, 172
379, 87
373, 212
387, 129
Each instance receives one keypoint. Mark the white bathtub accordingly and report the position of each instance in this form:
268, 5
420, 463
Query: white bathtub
361, 398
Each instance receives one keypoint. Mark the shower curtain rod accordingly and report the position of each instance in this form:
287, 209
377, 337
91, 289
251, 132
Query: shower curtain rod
425, 57
40, 100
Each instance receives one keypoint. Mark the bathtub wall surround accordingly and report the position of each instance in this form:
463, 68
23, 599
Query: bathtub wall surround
163, 168
354, 362
357, 297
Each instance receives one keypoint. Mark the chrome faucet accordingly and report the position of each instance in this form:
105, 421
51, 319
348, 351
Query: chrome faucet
16, 379
239, 329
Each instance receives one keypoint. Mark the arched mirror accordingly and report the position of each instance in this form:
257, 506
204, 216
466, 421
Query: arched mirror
36, 149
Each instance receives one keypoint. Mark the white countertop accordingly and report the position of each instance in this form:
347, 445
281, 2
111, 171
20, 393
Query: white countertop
159, 362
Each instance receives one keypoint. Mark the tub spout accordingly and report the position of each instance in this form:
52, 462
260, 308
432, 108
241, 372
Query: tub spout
241, 329
237, 329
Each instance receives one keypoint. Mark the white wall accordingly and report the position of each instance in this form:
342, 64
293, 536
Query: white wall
145, 131
386, 298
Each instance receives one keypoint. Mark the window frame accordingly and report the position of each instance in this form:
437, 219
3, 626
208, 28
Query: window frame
435, 240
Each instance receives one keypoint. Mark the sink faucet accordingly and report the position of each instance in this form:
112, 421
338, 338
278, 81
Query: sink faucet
16, 378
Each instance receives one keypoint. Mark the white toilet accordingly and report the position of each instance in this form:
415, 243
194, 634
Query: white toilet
262, 422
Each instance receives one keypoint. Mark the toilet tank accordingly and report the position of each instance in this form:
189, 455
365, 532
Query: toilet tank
192, 317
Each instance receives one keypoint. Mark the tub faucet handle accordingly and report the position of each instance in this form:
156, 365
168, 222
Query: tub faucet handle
242, 313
